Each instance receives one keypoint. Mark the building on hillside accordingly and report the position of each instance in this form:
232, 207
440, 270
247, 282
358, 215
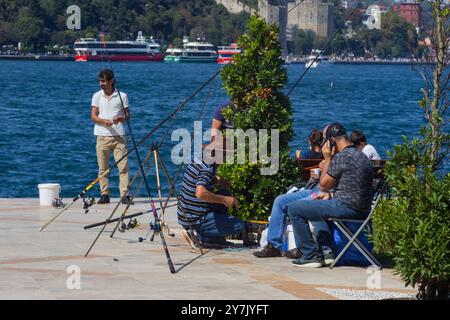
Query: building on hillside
410, 10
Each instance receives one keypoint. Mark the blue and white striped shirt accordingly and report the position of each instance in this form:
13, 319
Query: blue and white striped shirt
190, 208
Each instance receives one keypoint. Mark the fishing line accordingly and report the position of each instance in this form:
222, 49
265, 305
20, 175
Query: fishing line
147, 136
141, 168
317, 56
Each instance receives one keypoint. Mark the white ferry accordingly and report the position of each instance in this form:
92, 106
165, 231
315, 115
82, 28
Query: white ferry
198, 51
321, 60
90, 49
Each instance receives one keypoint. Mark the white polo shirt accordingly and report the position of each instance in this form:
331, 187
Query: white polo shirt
109, 108
370, 152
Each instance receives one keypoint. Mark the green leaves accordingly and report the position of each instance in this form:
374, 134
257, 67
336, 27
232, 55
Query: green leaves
414, 226
255, 82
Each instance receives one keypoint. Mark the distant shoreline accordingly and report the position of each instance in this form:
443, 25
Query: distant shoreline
34, 57
37, 57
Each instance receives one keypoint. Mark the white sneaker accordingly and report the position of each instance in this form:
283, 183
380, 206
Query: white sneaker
328, 259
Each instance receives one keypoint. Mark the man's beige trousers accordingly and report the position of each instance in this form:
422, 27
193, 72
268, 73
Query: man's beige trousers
119, 148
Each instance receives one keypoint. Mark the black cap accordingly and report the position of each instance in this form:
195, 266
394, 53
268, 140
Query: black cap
335, 130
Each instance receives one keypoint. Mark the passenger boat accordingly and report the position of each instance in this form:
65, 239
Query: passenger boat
322, 60
142, 49
226, 53
197, 51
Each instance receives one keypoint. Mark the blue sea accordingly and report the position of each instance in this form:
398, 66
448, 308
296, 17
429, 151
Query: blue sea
48, 134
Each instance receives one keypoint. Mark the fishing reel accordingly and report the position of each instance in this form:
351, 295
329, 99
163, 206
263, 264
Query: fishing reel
155, 227
57, 203
133, 223
87, 203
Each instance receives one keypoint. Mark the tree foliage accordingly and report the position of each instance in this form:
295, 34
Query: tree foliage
255, 82
414, 225
37, 23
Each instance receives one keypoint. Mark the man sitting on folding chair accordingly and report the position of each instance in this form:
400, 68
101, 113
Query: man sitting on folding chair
347, 171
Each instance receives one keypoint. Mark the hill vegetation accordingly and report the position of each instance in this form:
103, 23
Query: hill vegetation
37, 23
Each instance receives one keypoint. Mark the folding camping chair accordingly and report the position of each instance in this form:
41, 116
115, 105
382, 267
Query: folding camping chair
379, 192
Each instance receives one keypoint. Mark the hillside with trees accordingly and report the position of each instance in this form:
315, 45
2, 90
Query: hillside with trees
38, 23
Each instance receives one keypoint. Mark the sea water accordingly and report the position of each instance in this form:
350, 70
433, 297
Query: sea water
48, 134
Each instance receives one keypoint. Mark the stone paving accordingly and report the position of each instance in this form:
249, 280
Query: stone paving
45, 265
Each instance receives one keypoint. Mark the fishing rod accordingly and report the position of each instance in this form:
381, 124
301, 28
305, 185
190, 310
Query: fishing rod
146, 137
149, 154
141, 168
134, 215
318, 55
154, 151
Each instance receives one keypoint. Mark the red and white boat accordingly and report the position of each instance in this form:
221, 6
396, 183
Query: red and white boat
226, 53
90, 49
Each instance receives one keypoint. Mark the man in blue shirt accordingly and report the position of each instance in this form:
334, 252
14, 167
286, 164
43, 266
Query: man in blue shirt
219, 122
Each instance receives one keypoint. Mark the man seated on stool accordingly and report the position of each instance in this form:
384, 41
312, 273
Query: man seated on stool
349, 172
200, 208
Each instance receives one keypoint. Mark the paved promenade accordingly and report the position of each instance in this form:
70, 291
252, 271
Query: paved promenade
35, 265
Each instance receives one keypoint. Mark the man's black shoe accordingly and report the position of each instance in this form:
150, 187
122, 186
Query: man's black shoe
127, 200
104, 199
269, 251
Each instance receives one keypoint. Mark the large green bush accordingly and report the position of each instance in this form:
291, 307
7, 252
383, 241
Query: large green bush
414, 225
255, 82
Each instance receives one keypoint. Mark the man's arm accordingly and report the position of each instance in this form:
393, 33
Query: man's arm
123, 119
204, 194
215, 128
326, 181
94, 117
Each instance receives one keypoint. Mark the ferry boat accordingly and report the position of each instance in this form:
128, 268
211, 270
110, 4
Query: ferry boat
226, 53
321, 60
198, 51
90, 49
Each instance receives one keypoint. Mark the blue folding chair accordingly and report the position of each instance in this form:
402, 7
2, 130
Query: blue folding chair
379, 191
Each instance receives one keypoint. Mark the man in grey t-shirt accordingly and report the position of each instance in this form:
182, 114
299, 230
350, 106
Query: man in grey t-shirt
347, 171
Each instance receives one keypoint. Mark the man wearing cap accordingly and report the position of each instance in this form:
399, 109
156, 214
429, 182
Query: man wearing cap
346, 170
200, 209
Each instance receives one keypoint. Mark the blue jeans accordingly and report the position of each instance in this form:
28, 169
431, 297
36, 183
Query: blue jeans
300, 212
217, 224
277, 224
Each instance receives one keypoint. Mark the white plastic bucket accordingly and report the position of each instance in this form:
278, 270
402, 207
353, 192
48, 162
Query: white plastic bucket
48, 192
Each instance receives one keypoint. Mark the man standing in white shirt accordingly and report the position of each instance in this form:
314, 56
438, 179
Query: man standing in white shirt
109, 118
358, 138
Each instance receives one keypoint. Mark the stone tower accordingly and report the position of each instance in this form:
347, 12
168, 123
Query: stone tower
314, 15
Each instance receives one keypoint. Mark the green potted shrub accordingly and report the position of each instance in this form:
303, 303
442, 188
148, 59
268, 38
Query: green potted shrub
413, 226
255, 82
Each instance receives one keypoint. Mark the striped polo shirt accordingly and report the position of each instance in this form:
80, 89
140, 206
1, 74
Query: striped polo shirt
191, 208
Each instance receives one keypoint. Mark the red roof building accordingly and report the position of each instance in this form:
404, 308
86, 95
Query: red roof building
410, 11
